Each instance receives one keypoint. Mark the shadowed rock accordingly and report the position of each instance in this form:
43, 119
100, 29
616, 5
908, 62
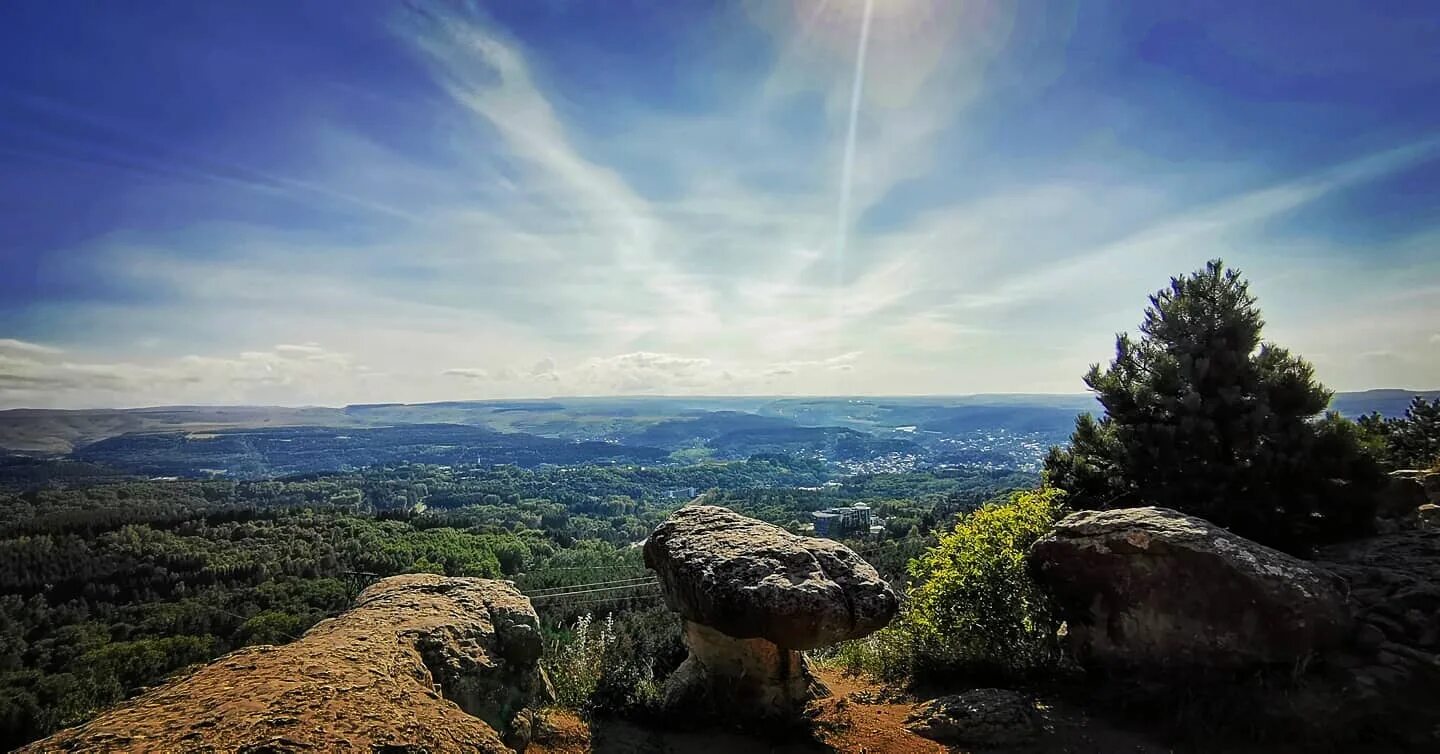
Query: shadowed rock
979, 717
1152, 588
752, 595
420, 663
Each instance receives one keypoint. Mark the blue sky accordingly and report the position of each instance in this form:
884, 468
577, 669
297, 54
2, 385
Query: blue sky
330, 202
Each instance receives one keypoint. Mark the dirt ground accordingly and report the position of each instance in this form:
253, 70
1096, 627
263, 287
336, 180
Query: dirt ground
845, 723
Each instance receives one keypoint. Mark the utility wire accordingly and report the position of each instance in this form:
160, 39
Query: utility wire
593, 591
572, 587
650, 596
586, 568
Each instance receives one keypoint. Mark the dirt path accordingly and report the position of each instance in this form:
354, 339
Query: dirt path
860, 717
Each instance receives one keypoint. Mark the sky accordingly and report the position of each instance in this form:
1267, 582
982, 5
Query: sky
330, 202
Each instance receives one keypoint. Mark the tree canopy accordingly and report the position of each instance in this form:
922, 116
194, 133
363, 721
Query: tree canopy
1411, 441
1203, 416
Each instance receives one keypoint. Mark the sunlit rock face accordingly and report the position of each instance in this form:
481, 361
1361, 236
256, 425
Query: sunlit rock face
753, 595
1155, 589
420, 663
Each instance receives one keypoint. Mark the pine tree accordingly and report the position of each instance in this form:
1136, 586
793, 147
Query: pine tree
1203, 416
1411, 441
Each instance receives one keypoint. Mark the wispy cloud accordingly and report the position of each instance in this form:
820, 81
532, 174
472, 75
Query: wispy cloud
533, 243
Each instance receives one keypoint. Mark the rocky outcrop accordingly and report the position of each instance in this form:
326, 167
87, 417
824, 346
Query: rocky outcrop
980, 717
1393, 583
752, 596
1152, 589
420, 663
1402, 494
1387, 680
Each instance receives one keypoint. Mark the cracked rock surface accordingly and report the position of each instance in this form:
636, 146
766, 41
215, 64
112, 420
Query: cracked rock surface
420, 663
748, 579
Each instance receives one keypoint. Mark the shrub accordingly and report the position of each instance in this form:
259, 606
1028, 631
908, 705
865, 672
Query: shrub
575, 667
972, 608
1204, 417
646, 647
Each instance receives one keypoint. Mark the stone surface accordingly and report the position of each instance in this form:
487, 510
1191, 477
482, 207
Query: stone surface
1401, 495
1393, 583
752, 595
979, 717
1154, 589
1428, 479
755, 676
1387, 681
420, 663
749, 579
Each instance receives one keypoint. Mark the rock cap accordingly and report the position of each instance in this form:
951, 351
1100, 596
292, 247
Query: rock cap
749, 579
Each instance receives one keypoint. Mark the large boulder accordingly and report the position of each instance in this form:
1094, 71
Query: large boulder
1427, 479
753, 595
420, 663
1154, 589
1402, 493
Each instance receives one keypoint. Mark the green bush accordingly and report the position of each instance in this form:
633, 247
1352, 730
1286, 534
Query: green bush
972, 608
575, 666
646, 647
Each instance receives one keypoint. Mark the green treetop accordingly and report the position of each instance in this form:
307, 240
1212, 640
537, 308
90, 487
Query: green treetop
1203, 416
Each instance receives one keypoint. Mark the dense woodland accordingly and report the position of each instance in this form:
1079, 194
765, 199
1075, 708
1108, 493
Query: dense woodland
109, 584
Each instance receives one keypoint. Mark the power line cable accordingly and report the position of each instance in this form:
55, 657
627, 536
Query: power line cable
572, 587
594, 591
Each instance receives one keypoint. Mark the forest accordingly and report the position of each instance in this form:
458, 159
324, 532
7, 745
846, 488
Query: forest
109, 584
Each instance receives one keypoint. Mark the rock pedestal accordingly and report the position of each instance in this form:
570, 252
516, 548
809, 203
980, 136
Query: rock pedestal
723, 671
754, 596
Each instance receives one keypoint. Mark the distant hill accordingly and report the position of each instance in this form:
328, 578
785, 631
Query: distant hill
256, 440
1388, 402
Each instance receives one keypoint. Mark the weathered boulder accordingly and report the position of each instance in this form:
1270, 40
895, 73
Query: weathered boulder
1427, 479
1401, 494
979, 717
420, 663
1154, 589
752, 595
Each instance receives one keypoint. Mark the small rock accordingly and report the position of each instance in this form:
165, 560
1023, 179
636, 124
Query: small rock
1369, 637
980, 717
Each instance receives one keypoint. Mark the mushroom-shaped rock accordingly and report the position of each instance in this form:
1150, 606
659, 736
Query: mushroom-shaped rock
753, 595
1152, 589
420, 663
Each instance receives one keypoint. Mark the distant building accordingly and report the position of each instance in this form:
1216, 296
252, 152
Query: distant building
837, 522
682, 493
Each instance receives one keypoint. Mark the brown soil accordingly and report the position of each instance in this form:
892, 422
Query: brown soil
845, 723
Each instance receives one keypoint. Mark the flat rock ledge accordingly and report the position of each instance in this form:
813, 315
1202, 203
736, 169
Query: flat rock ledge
420, 663
753, 596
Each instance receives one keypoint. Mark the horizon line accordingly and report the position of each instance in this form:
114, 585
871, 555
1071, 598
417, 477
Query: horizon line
636, 396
